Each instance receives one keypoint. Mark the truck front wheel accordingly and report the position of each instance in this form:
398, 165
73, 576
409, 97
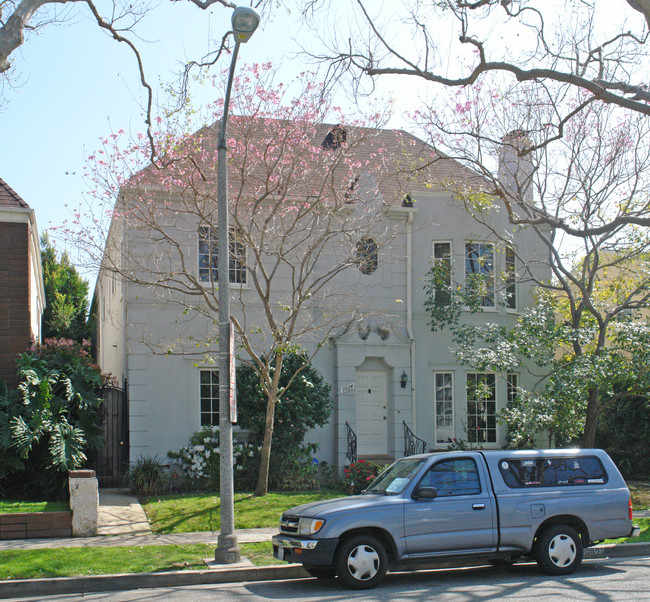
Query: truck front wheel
361, 562
559, 550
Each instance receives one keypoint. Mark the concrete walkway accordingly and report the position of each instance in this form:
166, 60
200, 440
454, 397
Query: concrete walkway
120, 513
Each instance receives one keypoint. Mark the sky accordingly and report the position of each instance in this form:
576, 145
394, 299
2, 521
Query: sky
74, 85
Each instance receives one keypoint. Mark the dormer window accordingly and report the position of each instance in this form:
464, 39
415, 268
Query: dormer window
336, 138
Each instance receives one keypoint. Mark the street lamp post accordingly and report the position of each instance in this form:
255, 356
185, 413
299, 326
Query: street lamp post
244, 23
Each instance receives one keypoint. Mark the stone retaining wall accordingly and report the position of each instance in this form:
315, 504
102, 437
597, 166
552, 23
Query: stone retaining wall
29, 525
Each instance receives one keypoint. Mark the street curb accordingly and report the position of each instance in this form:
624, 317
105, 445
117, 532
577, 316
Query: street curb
618, 550
22, 588
101, 583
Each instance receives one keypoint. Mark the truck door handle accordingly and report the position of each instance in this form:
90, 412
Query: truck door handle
478, 506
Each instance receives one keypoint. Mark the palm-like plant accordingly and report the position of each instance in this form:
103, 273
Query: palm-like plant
47, 424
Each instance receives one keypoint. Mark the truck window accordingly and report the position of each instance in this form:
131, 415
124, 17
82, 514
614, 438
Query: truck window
396, 477
552, 472
453, 477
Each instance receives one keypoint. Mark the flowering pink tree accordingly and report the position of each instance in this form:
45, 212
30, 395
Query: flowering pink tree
303, 196
580, 191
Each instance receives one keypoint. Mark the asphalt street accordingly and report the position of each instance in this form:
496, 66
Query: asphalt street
603, 580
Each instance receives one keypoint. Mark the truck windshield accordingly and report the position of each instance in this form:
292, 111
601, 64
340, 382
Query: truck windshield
396, 477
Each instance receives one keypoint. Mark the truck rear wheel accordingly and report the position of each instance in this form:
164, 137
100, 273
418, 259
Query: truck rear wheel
559, 550
361, 562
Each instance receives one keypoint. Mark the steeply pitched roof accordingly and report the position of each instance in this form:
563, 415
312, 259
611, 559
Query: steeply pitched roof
9, 197
398, 162
401, 162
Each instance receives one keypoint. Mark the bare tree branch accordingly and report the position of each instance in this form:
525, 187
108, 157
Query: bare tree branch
16, 18
593, 56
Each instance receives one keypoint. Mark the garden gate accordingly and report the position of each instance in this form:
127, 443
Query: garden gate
111, 460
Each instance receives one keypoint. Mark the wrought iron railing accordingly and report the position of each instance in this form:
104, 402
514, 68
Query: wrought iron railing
413, 445
351, 454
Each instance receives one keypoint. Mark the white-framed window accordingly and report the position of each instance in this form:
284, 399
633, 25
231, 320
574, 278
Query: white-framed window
479, 270
510, 276
444, 405
442, 273
209, 256
481, 407
209, 397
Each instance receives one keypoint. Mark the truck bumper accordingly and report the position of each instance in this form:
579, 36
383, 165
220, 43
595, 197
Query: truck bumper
314, 552
636, 531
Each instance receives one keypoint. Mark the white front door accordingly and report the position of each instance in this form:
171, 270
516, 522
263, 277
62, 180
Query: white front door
372, 414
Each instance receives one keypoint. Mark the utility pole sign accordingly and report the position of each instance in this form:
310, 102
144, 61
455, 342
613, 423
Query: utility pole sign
232, 376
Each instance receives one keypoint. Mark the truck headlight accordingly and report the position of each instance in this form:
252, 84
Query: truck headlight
309, 526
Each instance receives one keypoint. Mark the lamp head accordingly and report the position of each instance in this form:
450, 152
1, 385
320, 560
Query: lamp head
244, 23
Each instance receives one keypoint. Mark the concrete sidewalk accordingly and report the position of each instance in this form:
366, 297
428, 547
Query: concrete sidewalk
103, 541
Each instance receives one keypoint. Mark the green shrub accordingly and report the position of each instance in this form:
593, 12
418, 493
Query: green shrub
305, 404
147, 476
359, 475
296, 471
199, 463
200, 460
48, 424
624, 433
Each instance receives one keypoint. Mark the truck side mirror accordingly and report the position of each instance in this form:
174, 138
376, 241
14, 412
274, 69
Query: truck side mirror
426, 493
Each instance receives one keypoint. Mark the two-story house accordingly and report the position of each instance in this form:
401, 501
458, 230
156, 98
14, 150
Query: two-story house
22, 293
155, 294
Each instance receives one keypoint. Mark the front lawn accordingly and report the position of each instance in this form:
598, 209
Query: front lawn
7, 506
77, 562
186, 513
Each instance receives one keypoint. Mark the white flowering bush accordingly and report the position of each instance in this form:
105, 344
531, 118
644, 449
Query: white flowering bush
199, 461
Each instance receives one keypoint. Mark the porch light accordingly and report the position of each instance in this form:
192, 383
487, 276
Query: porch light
403, 380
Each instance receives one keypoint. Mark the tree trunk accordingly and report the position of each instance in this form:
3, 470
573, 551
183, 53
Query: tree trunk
262, 486
591, 422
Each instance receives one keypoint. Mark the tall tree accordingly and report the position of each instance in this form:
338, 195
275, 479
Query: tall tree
66, 296
599, 47
592, 49
577, 194
304, 199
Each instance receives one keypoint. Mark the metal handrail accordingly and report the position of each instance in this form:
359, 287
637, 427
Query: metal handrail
351, 454
413, 445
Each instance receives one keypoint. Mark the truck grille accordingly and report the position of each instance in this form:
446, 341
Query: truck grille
289, 524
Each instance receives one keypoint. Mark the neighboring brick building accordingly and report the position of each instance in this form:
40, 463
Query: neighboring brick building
22, 295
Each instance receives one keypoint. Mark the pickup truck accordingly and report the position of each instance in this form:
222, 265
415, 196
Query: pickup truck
501, 506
